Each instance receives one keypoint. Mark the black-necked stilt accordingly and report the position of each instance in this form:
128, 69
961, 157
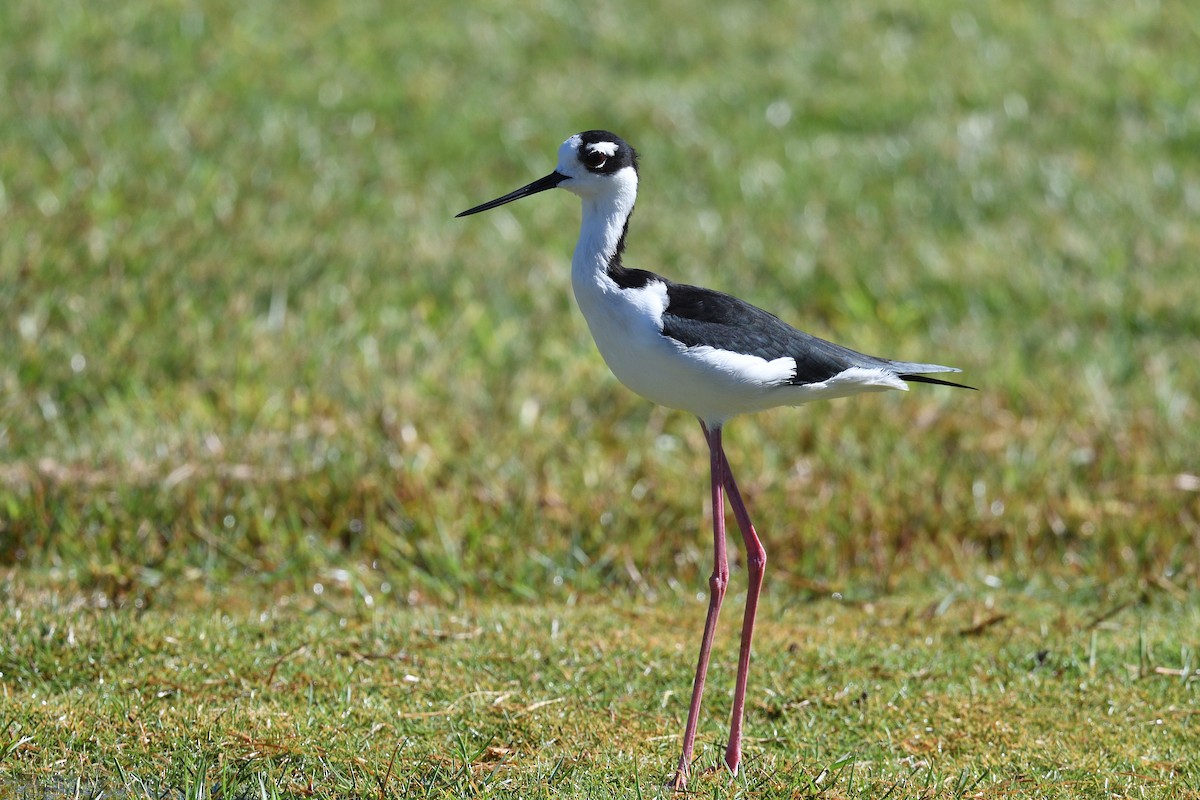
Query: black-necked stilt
700, 351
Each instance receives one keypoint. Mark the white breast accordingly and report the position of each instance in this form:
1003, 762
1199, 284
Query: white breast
710, 383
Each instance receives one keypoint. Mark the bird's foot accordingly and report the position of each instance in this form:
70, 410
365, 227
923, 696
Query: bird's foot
680, 781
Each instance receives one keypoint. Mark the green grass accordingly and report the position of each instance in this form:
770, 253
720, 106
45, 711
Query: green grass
970, 692
250, 365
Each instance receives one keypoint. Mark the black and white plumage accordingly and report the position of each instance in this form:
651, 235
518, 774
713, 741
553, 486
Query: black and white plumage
700, 351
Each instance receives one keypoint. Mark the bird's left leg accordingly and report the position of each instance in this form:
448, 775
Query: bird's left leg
756, 562
716, 586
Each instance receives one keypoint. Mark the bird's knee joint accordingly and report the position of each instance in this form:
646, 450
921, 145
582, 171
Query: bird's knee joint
717, 584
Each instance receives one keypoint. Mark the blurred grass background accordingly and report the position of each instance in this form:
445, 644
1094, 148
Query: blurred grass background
259, 389
247, 348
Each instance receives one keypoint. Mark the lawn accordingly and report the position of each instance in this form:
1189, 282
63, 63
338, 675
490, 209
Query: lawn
308, 488
959, 693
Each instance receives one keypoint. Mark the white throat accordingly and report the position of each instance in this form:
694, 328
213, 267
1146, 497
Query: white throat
606, 211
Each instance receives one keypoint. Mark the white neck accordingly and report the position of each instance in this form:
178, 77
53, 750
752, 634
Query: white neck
605, 214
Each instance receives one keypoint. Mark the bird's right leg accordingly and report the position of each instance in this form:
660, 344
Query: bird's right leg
756, 562
716, 592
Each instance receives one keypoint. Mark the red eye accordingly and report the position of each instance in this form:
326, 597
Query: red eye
594, 159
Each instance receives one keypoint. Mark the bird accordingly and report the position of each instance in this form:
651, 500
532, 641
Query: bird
700, 351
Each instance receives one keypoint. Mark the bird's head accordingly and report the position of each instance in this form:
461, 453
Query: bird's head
592, 165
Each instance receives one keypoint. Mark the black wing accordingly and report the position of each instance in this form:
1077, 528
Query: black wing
697, 316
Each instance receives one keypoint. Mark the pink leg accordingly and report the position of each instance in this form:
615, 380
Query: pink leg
756, 562
716, 587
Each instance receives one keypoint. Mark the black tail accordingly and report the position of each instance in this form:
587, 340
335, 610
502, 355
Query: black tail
937, 381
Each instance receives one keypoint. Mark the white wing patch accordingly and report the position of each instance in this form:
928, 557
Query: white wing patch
742, 368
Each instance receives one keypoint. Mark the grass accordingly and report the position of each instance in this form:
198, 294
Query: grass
269, 415
974, 692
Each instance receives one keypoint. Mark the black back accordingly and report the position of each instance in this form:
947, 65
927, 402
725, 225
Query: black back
697, 316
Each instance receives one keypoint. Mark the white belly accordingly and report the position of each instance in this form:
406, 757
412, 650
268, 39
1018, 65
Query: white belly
712, 384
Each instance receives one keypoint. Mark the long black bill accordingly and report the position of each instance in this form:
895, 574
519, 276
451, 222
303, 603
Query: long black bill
540, 185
